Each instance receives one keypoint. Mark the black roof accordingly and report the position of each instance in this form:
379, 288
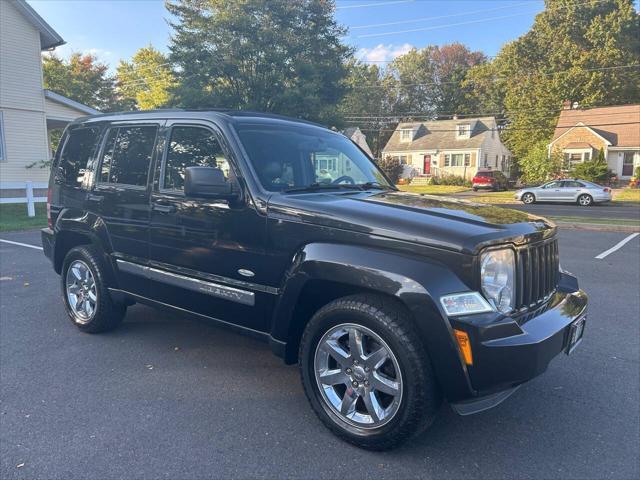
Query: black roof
228, 114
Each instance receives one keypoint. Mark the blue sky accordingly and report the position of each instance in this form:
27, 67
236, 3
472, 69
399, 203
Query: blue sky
378, 29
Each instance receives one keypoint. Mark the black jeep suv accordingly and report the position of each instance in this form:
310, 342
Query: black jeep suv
388, 301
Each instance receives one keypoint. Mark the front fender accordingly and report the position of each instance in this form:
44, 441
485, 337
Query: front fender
417, 283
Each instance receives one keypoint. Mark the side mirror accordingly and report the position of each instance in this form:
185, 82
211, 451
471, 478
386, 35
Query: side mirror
208, 182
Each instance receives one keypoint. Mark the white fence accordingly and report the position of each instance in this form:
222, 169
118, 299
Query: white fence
29, 199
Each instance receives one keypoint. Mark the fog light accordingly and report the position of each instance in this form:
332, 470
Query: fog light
465, 346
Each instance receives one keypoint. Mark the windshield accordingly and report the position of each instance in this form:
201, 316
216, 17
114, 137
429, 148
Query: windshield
300, 157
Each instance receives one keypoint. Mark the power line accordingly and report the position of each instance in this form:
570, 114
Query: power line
377, 4
438, 27
513, 128
470, 22
423, 19
496, 78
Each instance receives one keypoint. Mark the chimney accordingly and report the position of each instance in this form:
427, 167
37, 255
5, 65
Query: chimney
566, 105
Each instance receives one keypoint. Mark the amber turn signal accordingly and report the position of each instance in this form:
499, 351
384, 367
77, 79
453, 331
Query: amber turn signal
465, 346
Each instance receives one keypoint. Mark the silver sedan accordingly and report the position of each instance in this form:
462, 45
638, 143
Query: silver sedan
576, 191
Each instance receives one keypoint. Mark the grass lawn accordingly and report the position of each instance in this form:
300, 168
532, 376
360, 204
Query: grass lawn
432, 189
13, 216
495, 198
626, 195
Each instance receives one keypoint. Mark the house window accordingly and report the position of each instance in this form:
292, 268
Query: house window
406, 135
3, 155
486, 160
456, 159
464, 130
504, 163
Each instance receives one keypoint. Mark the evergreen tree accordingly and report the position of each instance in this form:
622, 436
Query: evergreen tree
271, 56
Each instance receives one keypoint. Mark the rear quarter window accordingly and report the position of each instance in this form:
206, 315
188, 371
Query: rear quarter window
77, 150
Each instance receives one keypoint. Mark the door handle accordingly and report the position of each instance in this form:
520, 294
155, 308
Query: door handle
163, 208
95, 198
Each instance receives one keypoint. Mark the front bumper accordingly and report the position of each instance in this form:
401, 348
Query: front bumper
508, 351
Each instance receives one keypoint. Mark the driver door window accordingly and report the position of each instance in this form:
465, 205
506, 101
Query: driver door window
191, 147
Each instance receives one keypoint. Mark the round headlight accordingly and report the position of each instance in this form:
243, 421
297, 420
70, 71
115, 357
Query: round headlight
497, 272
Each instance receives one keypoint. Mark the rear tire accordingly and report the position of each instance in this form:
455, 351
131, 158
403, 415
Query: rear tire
85, 293
585, 200
475, 189
378, 415
528, 198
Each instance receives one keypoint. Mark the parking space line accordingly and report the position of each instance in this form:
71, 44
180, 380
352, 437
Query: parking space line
617, 246
35, 247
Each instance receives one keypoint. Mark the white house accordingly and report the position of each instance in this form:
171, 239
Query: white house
27, 111
448, 147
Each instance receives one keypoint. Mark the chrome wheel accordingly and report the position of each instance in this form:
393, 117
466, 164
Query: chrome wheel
81, 291
584, 200
528, 198
358, 376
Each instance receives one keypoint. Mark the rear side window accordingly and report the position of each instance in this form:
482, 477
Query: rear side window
127, 155
191, 147
76, 153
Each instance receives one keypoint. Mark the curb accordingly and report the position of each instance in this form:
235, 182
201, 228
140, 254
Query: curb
599, 227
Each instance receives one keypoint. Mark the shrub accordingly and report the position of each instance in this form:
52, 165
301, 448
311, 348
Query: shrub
592, 170
392, 168
451, 180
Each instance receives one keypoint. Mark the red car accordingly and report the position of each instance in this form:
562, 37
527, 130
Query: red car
491, 179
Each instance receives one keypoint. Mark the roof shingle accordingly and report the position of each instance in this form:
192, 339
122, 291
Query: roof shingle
619, 125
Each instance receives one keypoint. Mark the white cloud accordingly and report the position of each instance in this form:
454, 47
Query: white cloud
382, 52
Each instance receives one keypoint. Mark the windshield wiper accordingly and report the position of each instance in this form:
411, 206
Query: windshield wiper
374, 186
321, 186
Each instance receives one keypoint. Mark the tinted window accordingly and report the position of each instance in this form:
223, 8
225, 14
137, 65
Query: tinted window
77, 151
293, 156
127, 155
573, 184
192, 147
485, 174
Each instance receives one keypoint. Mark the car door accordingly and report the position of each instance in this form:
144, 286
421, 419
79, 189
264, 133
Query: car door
570, 190
120, 196
549, 192
206, 255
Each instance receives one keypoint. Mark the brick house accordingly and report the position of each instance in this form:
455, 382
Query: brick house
448, 147
581, 133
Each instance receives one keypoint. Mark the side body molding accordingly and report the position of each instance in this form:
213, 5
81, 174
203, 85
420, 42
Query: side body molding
416, 283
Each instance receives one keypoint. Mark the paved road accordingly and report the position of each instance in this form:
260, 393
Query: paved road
129, 405
629, 212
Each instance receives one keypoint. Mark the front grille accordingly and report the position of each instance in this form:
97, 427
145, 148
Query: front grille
537, 271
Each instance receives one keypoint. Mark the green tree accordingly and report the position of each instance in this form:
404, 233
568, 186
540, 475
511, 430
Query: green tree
272, 56
81, 78
571, 53
430, 81
537, 166
367, 103
146, 81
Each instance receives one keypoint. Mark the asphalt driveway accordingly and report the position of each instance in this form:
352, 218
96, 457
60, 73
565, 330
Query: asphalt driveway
165, 397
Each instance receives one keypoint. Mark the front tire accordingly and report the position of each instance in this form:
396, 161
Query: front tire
366, 372
86, 296
585, 200
528, 198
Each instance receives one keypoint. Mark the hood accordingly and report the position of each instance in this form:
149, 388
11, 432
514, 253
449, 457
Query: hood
426, 219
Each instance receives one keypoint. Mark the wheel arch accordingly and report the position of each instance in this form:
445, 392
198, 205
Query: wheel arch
324, 272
